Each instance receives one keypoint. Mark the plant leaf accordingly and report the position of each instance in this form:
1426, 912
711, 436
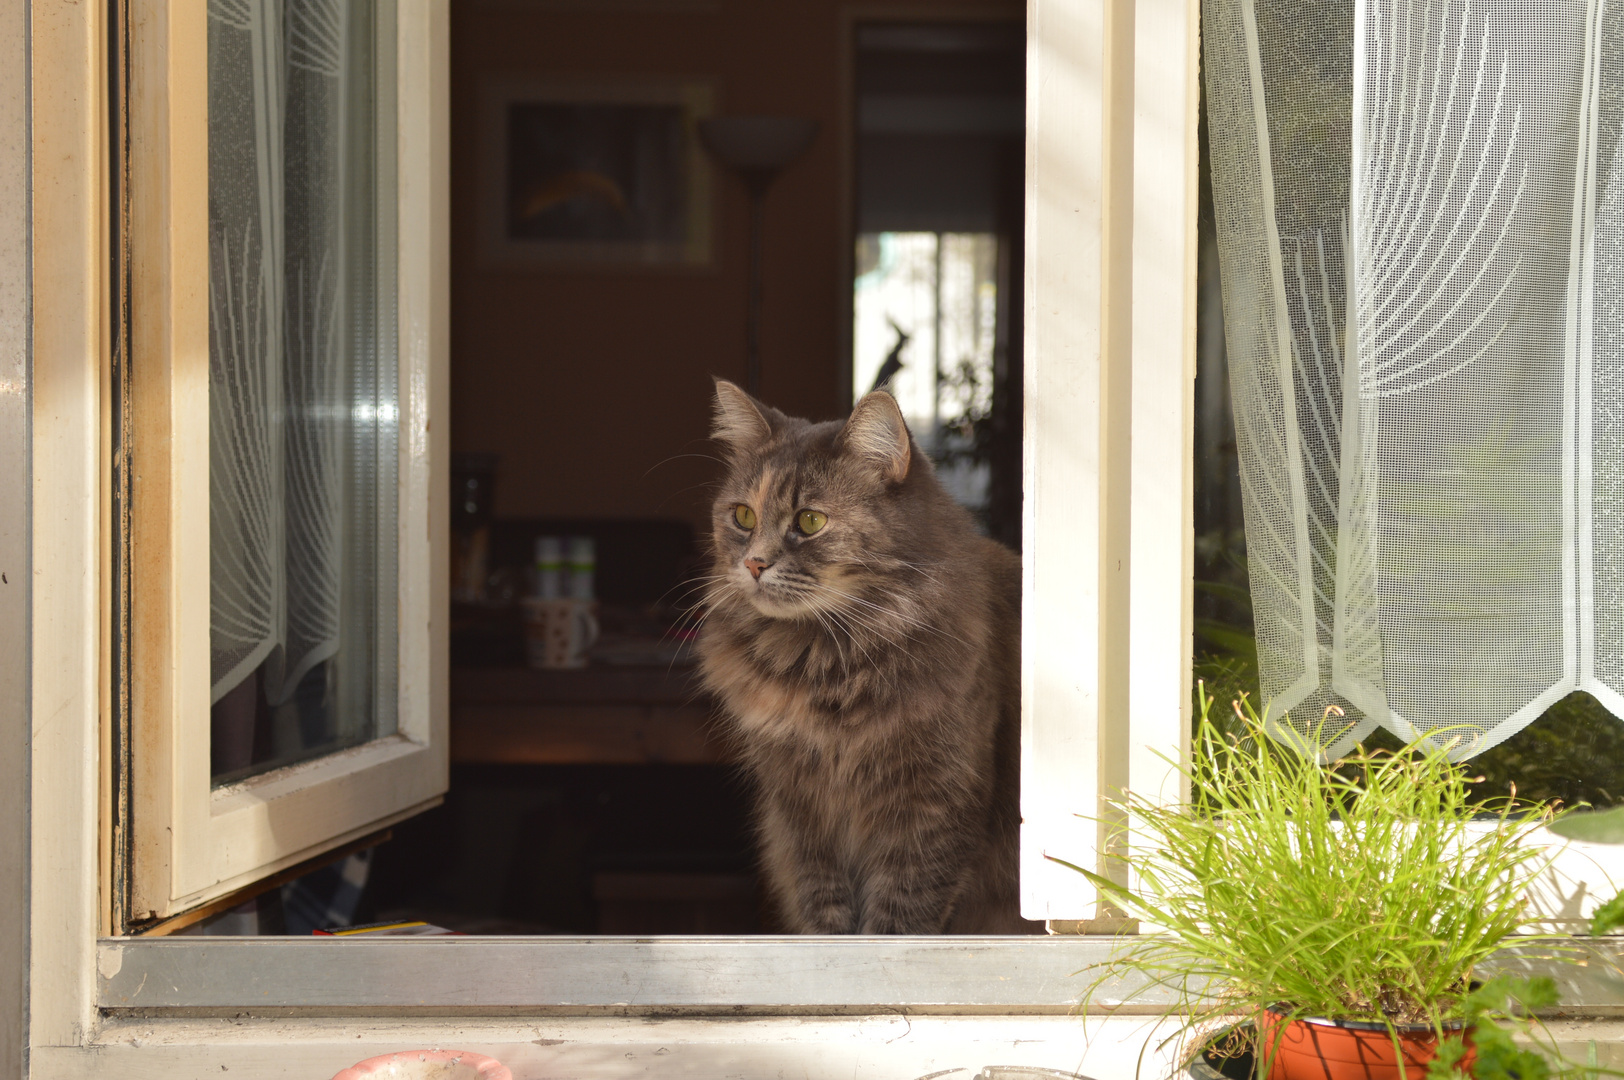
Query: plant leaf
1609, 917
1594, 827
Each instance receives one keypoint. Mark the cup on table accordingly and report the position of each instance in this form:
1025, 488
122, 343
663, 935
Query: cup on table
558, 632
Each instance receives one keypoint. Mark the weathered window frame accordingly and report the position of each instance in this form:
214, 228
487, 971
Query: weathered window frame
1110, 315
191, 843
1081, 229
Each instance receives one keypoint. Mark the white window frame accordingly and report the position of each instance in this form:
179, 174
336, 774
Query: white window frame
1110, 337
1112, 98
192, 843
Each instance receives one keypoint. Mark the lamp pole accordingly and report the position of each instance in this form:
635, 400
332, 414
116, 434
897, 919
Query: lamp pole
758, 184
757, 149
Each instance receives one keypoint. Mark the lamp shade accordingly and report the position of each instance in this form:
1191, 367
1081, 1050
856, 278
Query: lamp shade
757, 144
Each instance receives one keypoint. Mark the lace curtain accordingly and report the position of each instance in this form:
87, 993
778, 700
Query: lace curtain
1420, 218
302, 447
277, 407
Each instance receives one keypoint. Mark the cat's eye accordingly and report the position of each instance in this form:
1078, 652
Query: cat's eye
745, 516
810, 521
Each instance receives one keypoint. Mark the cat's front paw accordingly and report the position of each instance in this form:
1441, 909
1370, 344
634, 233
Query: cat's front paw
828, 919
880, 925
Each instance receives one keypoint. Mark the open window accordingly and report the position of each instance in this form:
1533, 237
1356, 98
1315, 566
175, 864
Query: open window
1109, 310
286, 284
282, 484
316, 473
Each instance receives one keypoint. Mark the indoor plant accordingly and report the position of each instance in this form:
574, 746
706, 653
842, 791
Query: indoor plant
1317, 901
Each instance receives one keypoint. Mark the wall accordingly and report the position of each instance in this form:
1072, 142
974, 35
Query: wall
590, 384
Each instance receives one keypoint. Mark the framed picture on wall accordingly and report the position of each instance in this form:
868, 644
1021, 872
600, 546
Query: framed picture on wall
594, 174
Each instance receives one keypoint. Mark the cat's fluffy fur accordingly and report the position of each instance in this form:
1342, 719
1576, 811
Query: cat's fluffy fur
870, 675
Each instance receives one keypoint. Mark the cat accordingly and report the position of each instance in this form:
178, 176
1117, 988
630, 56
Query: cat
863, 641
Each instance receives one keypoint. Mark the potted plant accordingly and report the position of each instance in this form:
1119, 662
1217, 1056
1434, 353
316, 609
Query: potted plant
1498, 1054
1494, 1053
1344, 910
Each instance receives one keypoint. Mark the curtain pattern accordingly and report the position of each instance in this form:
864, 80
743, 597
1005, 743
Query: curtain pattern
1420, 215
280, 408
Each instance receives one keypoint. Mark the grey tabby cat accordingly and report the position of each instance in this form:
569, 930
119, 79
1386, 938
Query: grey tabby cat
864, 643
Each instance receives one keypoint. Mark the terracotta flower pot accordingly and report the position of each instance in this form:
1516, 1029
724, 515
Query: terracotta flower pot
1313, 1049
427, 1065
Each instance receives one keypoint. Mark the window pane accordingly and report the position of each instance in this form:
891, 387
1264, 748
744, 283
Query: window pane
1574, 750
925, 322
302, 405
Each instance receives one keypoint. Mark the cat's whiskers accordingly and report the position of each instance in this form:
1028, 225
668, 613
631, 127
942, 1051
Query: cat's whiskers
807, 587
716, 596
679, 457
837, 617
707, 585
841, 616
867, 622
691, 586
845, 600
895, 613
694, 617
834, 638
893, 563
902, 598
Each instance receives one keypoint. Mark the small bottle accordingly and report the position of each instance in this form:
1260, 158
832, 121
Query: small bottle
580, 568
549, 567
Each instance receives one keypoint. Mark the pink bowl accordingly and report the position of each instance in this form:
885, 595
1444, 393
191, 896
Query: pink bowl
427, 1065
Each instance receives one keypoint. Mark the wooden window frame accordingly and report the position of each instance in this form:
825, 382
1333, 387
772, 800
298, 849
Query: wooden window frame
1110, 320
191, 843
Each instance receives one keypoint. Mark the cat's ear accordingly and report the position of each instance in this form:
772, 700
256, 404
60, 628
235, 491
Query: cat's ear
876, 433
739, 421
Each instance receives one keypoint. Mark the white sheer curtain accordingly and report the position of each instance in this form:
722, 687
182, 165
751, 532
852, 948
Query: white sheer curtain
282, 387
1420, 215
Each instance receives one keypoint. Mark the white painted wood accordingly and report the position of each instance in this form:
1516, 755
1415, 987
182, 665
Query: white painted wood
1078, 446
1166, 104
423, 80
849, 974
1109, 411
662, 975
67, 263
1066, 562
875, 1047
169, 345
193, 843
15, 161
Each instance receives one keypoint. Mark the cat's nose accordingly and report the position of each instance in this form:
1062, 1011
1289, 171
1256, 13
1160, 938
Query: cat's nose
756, 566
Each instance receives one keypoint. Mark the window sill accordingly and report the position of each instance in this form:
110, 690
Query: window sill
669, 976
624, 975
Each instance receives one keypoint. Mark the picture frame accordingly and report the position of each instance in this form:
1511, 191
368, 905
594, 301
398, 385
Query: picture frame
594, 174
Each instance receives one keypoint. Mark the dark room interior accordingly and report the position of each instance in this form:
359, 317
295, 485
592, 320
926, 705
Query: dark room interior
600, 799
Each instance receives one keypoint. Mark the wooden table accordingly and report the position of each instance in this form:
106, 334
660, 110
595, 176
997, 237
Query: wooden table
607, 715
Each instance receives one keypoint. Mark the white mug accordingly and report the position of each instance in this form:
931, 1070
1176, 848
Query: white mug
558, 633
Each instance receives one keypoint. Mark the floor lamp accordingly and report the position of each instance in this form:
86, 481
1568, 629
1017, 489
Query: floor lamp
757, 149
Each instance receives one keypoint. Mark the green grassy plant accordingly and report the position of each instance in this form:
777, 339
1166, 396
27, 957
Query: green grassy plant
1371, 890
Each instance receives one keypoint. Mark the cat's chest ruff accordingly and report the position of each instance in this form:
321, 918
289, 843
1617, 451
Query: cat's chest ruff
766, 708
779, 708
